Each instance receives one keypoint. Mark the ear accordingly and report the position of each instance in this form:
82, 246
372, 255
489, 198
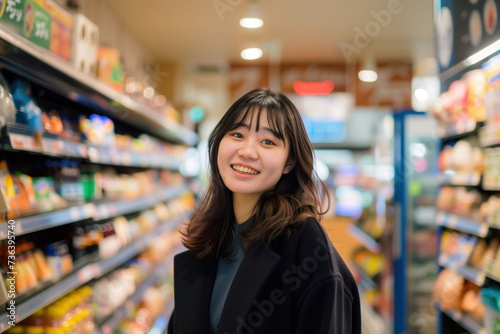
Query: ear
289, 166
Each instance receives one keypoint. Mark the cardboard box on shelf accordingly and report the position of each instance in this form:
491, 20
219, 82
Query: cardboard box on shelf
85, 44
109, 67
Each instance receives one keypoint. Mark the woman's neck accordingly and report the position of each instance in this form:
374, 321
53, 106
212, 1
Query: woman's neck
243, 206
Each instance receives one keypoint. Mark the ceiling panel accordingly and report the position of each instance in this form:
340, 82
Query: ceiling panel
306, 31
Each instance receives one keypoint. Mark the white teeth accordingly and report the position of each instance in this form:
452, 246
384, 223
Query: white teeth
244, 169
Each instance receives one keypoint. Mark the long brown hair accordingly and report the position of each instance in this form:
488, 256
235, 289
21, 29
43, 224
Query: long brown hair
298, 194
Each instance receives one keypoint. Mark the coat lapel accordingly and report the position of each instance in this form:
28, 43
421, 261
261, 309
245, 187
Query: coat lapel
254, 270
194, 279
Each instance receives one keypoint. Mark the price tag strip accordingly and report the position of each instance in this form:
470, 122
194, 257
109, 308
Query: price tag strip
23, 142
53, 146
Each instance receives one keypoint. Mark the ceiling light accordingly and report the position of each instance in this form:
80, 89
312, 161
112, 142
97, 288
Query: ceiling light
421, 94
253, 19
367, 75
368, 70
251, 53
251, 22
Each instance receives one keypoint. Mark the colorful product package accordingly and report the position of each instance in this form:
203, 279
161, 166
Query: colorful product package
7, 107
7, 191
27, 111
42, 22
98, 130
109, 67
491, 70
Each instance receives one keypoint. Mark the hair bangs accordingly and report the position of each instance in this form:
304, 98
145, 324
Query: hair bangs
275, 118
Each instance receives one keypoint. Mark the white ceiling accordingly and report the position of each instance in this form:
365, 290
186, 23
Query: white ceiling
308, 31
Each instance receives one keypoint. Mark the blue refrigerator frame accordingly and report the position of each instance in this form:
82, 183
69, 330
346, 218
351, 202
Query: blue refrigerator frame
400, 224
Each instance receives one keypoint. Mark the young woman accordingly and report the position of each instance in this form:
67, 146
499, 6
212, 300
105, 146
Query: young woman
258, 260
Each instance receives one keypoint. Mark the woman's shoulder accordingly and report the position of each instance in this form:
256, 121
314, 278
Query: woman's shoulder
303, 237
310, 240
307, 229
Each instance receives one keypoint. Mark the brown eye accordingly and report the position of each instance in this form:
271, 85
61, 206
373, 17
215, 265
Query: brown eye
237, 135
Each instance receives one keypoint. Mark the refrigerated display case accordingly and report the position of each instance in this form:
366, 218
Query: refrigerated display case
415, 236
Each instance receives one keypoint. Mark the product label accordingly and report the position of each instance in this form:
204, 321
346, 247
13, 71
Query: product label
12, 15
39, 21
37, 25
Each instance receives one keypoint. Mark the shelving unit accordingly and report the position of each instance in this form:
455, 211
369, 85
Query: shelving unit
471, 274
124, 311
96, 211
472, 128
458, 223
461, 179
15, 137
161, 323
23, 59
88, 273
363, 238
467, 322
468, 226
40, 66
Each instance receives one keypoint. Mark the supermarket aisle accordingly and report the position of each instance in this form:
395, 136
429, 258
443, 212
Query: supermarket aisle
337, 231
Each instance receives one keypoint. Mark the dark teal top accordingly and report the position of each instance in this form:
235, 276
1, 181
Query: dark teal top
226, 270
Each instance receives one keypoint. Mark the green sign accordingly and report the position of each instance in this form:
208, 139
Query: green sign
37, 29
28, 19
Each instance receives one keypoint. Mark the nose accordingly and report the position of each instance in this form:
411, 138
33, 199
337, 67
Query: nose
247, 150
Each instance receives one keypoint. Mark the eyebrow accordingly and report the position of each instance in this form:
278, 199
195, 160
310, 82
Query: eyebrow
247, 126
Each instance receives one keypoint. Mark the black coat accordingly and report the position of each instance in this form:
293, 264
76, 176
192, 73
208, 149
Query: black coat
298, 284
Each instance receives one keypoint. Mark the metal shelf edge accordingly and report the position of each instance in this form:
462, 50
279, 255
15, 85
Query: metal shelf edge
90, 210
364, 238
68, 69
82, 276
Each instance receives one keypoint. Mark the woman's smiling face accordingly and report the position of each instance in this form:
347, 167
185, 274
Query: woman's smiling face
252, 159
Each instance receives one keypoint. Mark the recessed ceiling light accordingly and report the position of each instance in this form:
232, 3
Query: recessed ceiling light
251, 22
253, 18
251, 53
367, 75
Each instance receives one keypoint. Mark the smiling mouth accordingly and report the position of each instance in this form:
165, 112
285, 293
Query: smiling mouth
244, 169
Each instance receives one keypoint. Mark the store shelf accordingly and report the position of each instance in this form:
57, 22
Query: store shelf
116, 157
469, 273
94, 211
492, 270
363, 238
40, 66
19, 137
453, 178
126, 310
161, 323
88, 272
49, 145
366, 283
462, 224
489, 135
372, 322
491, 181
466, 321
459, 130
493, 219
